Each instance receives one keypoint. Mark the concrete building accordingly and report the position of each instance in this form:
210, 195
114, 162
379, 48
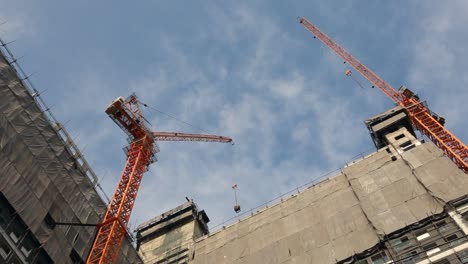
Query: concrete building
405, 203
44, 180
166, 238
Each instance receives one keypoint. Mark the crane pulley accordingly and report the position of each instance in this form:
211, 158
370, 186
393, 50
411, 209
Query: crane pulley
141, 152
428, 123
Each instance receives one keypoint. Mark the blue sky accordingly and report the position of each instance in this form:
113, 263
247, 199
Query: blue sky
244, 69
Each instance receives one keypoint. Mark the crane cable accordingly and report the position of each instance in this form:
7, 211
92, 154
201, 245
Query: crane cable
349, 74
173, 117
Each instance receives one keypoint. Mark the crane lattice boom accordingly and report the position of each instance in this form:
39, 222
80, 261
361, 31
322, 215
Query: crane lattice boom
141, 152
421, 117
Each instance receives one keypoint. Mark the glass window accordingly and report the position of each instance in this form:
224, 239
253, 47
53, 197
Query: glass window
16, 229
28, 245
401, 243
4, 249
381, 258
6, 212
429, 246
43, 258
410, 258
442, 261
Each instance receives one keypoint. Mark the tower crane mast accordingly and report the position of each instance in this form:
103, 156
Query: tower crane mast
428, 123
141, 152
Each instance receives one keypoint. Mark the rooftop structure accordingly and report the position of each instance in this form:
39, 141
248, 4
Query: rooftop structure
166, 238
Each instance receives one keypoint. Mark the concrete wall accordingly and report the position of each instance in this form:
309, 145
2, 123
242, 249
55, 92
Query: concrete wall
343, 215
167, 244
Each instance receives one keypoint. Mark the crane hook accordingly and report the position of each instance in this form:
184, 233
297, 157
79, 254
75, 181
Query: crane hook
237, 207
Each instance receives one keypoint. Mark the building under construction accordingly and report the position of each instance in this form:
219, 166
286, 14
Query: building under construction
47, 189
407, 202
404, 203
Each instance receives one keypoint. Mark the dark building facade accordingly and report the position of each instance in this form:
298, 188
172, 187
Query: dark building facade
44, 180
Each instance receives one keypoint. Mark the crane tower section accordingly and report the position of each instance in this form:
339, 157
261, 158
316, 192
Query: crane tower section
140, 153
428, 123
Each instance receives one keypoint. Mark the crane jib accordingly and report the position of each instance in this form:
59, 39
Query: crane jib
421, 117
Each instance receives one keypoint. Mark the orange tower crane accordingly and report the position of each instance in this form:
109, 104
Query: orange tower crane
430, 124
141, 152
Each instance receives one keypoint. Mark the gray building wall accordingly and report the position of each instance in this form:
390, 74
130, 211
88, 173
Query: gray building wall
344, 215
42, 182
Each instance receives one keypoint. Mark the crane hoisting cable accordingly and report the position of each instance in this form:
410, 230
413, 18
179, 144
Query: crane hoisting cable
237, 207
349, 74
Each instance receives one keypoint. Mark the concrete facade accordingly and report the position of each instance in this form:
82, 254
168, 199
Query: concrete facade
167, 237
344, 215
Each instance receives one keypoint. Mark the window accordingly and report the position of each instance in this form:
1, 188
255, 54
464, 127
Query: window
6, 212
409, 258
421, 234
16, 229
28, 245
381, 258
4, 249
400, 136
43, 258
405, 144
429, 246
401, 243
463, 256
442, 261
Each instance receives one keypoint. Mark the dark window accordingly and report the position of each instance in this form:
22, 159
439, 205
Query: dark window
4, 249
6, 212
463, 256
400, 136
405, 144
401, 243
381, 258
442, 261
75, 258
409, 258
43, 258
420, 232
452, 237
16, 229
15, 260
429, 246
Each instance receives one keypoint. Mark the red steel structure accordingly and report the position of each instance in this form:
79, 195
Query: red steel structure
140, 154
421, 117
